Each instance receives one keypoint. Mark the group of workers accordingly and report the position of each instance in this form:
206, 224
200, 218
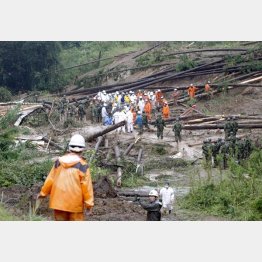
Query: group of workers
230, 147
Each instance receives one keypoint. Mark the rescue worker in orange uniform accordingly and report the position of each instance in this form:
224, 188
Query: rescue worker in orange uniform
134, 115
69, 184
176, 95
165, 111
208, 89
192, 91
148, 109
159, 94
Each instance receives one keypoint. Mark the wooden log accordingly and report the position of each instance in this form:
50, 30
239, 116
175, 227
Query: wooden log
119, 169
128, 149
139, 157
106, 142
207, 50
105, 131
99, 141
220, 126
52, 143
149, 49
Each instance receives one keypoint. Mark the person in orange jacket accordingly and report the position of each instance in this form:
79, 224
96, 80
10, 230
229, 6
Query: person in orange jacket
192, 91
134, 115
148, 109
176, 95
159, 94
69, 184
208, 89
165, 111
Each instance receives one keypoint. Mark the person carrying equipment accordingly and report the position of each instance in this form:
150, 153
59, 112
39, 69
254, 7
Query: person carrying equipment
153, 207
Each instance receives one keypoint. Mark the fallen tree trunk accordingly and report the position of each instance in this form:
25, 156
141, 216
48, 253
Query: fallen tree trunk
128, 149
149, 49
99, 140
201, 127
105, 131
119, 169
207, 50
47, 140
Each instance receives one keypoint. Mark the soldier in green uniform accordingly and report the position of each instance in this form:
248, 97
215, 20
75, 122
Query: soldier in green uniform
92, 111
232, 146
234, 127
99, 112
207, 150
227, 127
177, 128
81, 111
145, 120
96, 112
224, 150
160, 124
215, 150
247, 148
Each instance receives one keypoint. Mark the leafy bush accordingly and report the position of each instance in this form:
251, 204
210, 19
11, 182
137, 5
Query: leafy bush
237, 196
5, 94
185, 63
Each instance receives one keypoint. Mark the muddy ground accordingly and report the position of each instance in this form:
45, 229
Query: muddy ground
158, 167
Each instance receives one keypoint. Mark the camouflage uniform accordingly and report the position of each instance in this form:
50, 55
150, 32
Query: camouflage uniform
92, 109
160, 124
234, 128
207, 150
215, 150
224, 149
177, 128
227, 128
81, 111
247, 148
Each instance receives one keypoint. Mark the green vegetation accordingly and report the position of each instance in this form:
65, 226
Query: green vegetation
185, 63
236, 196
5, 94
5, 215
14, 158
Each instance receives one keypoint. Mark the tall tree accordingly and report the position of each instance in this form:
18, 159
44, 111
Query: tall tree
27, 65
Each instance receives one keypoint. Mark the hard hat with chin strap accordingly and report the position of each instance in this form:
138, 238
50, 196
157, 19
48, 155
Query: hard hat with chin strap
77, 143
153, 193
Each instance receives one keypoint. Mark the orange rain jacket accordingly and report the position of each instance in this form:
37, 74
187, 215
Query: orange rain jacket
207, 88
166, 111
69, 184
191, 91
158, 96
148, 109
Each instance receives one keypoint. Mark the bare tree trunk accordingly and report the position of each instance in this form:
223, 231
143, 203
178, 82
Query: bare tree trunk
119, 169
99, 140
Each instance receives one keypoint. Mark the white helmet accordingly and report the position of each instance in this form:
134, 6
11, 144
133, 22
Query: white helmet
153, 193
77, 143
104, 91
158, 90
117, 92
175, 89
